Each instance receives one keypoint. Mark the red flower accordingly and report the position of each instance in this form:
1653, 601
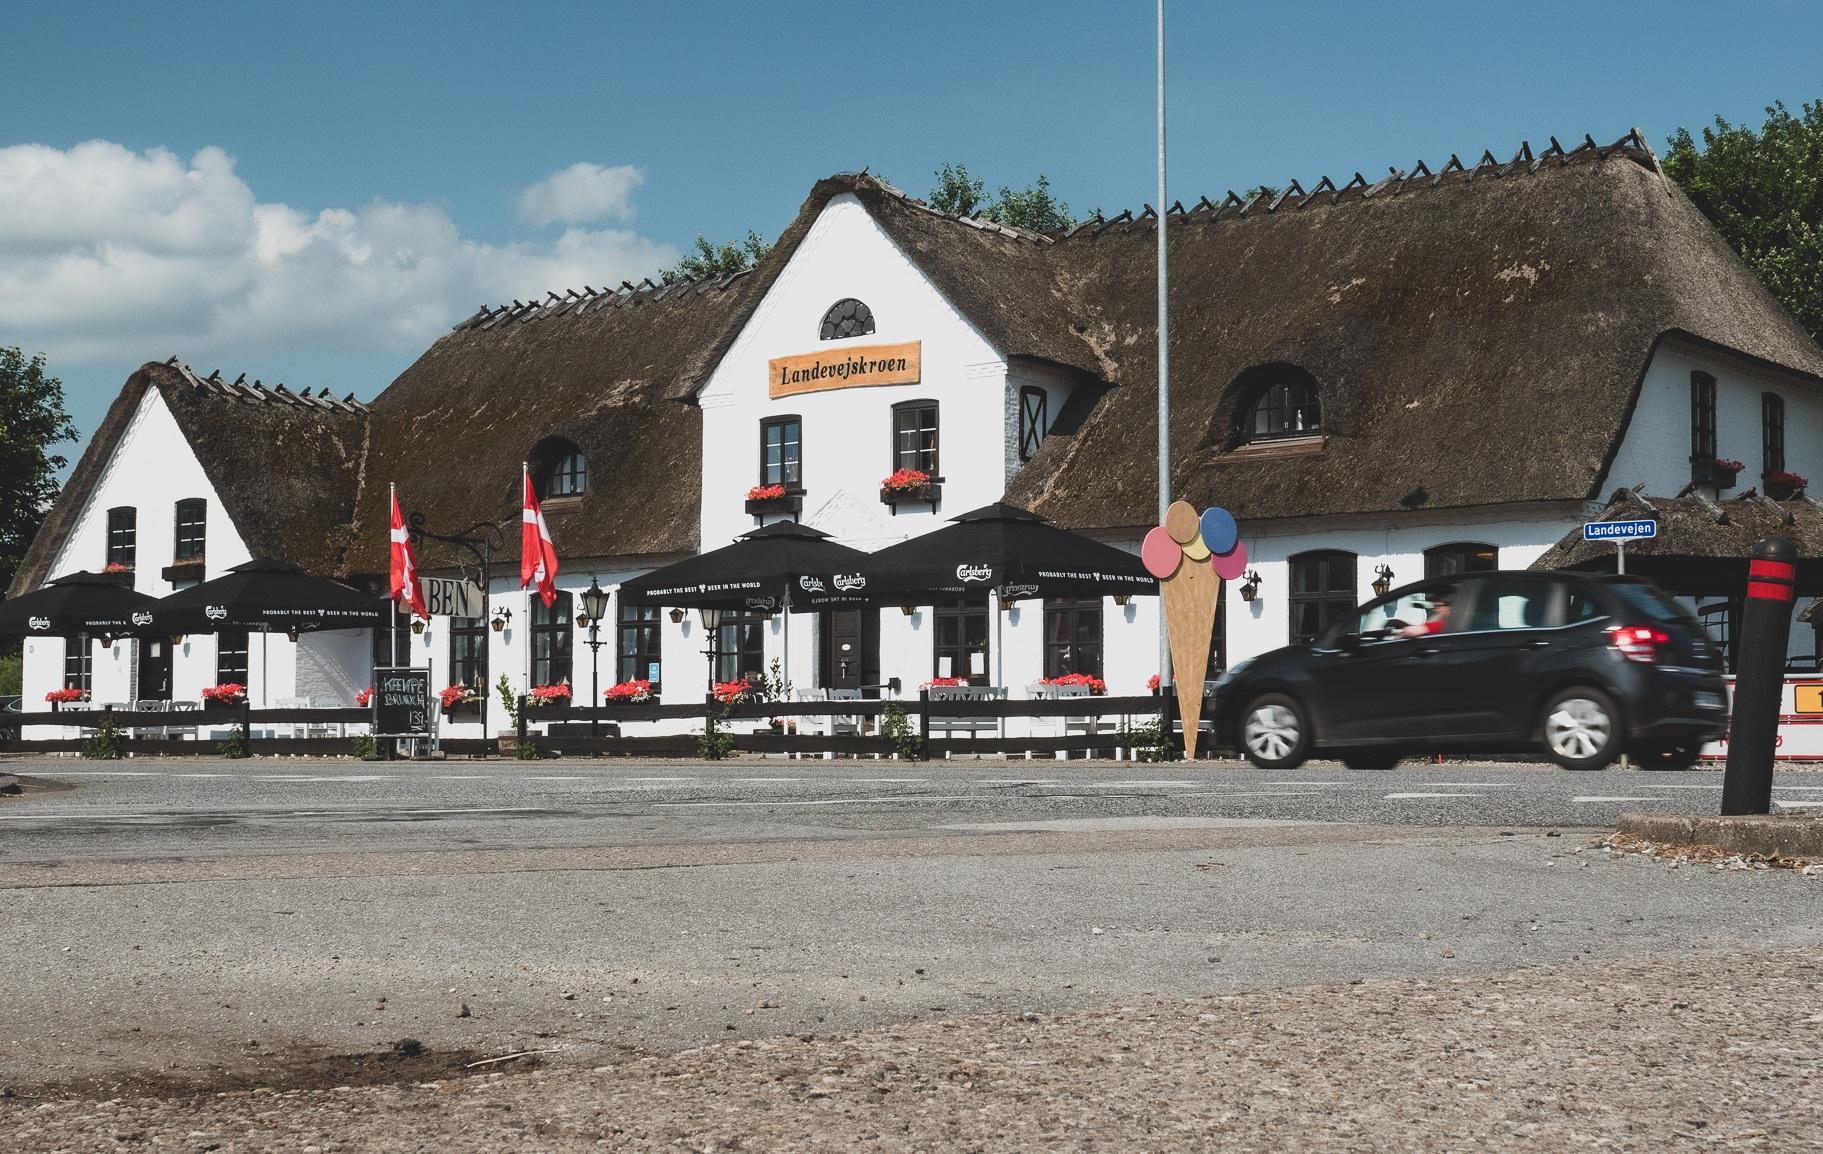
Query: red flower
728, 692
1152, 683
765, 492
227, 693
942, 683
1791, 480
628, 691
550, 695
66, 695
1727, 464
1096, 685
455, 695
904, 479
364, 698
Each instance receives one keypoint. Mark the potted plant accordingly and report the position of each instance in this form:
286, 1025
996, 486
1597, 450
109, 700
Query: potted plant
729, 692
459, 698
228, 693
909, 486
59, 697
119, 571
1781, 484
640, 690
1097, 687
763, 499
507, 740
943, 683
1717, 471
547, 696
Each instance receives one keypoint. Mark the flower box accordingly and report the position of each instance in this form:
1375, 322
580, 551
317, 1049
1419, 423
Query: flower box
548, 695
926, 494
1718, 471
459, 699
228, 693
1097, 687
1782, 485
784, 503
629, 691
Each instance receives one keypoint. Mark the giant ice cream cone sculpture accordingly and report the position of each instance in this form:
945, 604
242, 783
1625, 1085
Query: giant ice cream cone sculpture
1190, 556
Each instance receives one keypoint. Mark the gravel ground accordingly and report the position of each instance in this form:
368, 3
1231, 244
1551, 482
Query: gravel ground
1694, 1052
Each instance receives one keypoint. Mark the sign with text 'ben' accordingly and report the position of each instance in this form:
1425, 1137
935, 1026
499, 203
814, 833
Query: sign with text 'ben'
444, 597
845, 369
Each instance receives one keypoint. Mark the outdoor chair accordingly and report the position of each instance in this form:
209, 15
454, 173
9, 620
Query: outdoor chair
187, 730
147, 705
950, 726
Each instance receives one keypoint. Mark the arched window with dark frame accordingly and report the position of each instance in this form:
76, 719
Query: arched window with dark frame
848, 317
1322, 592
1460, 557
191, 529
558, 469
1284, 405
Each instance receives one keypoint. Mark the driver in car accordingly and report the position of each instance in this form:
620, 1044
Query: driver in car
1436, 622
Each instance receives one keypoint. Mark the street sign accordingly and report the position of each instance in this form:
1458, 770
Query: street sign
1638, 530
446, 597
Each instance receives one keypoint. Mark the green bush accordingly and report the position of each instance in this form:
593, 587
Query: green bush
528, 750
715, 743
12, 674
1146, 741
104, 743
364, 747
896, 727
235, 746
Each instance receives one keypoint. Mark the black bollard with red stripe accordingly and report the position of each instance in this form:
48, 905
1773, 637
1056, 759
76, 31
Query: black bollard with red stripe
1759, 682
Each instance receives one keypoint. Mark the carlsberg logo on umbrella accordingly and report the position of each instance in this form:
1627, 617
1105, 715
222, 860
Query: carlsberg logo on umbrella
141, 617
40, 623
849, 582
966, 572
812, 584
215, 612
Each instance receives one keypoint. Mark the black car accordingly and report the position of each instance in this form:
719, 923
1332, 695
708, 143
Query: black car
1581, 667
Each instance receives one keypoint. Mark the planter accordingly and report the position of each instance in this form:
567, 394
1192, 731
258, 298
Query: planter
791, 503
507, 743
1780, 490
1710, 473
921, 495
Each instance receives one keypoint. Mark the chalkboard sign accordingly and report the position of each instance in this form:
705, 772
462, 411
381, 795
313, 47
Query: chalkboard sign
402, 702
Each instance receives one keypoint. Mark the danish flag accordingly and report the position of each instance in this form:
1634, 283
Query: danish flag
405, 584
537, 555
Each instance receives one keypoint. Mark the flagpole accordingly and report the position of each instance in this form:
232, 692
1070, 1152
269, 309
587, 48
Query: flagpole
392, 649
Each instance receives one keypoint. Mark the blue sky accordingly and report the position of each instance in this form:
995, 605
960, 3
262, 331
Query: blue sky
312, 193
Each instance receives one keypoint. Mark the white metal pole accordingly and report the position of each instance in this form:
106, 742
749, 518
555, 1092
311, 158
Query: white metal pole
1164, 350
1620, 557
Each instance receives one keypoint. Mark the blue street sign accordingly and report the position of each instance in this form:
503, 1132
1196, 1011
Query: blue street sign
1620, 530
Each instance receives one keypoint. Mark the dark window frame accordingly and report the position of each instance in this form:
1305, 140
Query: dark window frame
910, 459
859, 321
1702, 417
189, 546
643, 625
569, 477
123, 536
1772, 434
738, 640
1073, 654
1296, 400
1456, 551
79, 663
468, 652
1034, 419
554, 633
1328, 596
400, 640
782, 421
961, 613
231, 653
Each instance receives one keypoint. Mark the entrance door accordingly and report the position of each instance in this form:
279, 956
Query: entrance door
154, 669
850, 649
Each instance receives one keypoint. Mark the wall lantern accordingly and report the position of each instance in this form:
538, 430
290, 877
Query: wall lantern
501, 617
1250, 585
1383, 580
291, 634
908, 610
1122, 598
107, 641
417, 626
711, 618
677, 616
594, 603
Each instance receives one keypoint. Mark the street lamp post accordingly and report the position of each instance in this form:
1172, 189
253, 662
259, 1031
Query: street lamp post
595, 606
711, 621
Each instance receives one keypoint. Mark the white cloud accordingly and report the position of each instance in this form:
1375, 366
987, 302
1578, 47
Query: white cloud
111, 255
581, 193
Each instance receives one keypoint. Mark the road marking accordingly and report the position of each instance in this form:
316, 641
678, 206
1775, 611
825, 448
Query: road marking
1131, 784
1783, 804
1589, 800
72, 816
1263, 793
820, 801
107, 773
897, 780
554, 779
768, 779
1012, 780
1472, 784
1109, 824
204, 775
1655, 785
1407, 796
661, 779
1350, 784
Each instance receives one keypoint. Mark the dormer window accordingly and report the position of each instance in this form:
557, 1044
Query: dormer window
571, 476
848, 317
1285, 408
558, 469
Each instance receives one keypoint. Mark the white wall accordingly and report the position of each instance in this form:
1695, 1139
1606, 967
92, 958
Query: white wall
1656, 446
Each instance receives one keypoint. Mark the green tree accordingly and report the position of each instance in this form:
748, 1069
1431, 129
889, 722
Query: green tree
1033, 207
32, 424
712, 260
1764, 192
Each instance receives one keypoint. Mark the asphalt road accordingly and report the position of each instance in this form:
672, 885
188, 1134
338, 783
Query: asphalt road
220, 920
157, 808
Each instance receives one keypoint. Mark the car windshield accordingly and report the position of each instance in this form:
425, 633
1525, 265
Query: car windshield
1654, 602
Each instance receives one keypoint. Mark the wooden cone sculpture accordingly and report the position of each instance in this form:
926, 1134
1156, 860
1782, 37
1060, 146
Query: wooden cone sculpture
1190, 556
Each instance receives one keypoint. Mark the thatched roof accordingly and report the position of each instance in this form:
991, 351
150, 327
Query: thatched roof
1702, 545
1478, 337
283, 463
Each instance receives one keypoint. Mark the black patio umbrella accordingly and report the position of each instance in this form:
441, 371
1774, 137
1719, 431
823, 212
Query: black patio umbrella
81, 603
784, 565
272, 595
1018, 555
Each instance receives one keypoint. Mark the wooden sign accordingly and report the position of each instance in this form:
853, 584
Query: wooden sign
402, 702
845, 369
445, 597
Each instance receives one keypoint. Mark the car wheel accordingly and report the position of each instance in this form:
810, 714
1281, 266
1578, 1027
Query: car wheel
1581, 729
1274, 734
1371, 760
1670, 757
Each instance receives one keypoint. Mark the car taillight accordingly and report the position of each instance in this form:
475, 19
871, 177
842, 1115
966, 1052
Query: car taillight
1639, 642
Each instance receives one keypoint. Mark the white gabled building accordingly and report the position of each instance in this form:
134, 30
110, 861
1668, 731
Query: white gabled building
1439, 371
